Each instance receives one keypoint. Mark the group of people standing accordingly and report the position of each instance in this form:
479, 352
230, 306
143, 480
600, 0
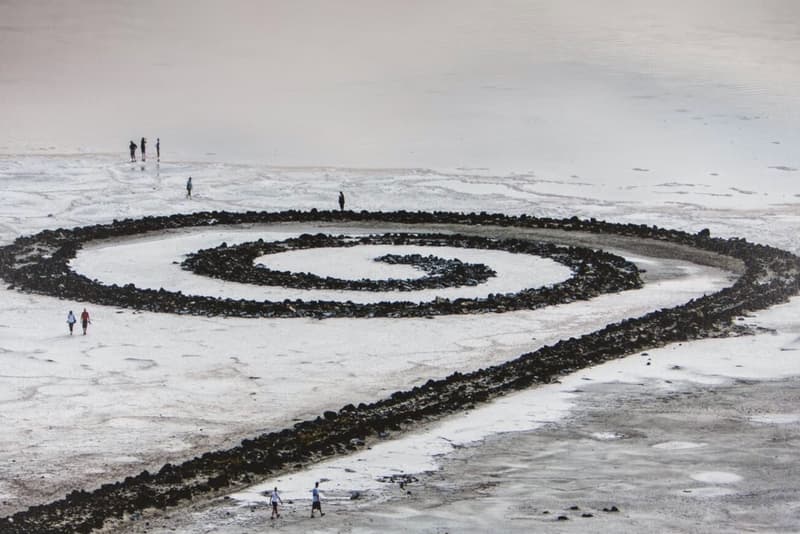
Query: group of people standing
71, 320
316, 503
142, 146
143, 149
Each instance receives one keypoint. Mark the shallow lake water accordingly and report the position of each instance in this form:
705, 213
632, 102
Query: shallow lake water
623, 92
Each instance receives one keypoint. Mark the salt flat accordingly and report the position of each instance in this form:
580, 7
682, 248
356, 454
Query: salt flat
143, 389
671, 113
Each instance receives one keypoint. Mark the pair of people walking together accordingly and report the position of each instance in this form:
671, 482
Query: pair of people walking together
71, 320
316, 503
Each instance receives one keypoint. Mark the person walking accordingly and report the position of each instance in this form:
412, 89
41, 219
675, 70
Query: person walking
71, 320
158, 149
274, 499
85, 320
132, 148
142, 146
316, 504
189, 188
341, 201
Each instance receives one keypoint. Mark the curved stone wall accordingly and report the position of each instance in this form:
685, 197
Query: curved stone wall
771, 276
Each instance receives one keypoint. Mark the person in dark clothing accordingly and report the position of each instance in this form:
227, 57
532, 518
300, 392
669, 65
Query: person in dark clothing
158, 149
132, 148
189, 188
142, 145
341, 201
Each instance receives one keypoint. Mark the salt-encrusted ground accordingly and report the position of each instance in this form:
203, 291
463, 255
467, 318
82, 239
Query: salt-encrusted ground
142, 389
692, 458
673, 113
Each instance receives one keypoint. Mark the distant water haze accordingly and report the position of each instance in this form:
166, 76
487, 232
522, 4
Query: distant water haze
620, 91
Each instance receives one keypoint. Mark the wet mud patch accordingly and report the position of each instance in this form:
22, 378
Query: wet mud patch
692, 459
783, 168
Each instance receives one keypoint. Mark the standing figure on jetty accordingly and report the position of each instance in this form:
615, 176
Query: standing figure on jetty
132, 148
189, 188
158, 149
142, 145
341, 201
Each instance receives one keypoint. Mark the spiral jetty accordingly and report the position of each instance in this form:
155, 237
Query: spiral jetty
38, 264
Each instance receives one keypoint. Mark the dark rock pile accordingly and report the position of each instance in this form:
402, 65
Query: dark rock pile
235, 263
771, 277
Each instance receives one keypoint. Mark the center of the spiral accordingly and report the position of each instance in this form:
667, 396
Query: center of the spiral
351, 263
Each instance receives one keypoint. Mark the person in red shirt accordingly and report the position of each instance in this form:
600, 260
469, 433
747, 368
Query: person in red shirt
85, 320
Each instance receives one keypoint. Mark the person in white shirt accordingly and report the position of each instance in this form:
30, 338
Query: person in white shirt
315, 502
71, 320
274, 499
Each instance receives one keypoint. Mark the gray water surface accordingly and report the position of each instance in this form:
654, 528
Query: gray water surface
655, 90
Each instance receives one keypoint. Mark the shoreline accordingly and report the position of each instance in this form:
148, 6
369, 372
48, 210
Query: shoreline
682, 460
